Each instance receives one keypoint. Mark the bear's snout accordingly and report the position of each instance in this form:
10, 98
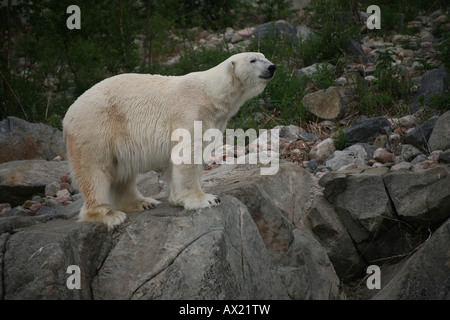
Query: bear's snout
268, 74
272, 69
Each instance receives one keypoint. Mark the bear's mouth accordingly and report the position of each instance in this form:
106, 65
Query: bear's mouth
269, 72
267, 76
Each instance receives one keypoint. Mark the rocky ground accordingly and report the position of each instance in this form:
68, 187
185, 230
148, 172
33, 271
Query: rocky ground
308, 232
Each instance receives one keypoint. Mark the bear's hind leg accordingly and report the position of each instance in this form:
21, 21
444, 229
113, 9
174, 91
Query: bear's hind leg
95, 188
126, 197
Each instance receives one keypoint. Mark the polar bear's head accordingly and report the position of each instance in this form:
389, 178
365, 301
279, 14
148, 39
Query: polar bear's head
250, 72
251, 68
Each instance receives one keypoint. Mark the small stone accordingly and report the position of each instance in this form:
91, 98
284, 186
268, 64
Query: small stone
76, 196
341, 81
348, 166
63, 195
377, 165
435, 155
308, 136
426, 36
27, 204
36, 207
51, 202
408, 121
4, 205
52, 188
37, 199
46, 210
322, 150
380, 141
4, 211
401, 166
22, 211
445, 156
370, 79
246, 33
65, 185
383, 156
418, 159
398, 159
427, 163
66, 178
312, 164
57, 158
408, 152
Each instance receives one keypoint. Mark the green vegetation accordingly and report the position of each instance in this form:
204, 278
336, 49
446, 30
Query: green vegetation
341, 141
45, 66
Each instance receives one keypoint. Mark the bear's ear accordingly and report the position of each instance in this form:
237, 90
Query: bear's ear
231, 65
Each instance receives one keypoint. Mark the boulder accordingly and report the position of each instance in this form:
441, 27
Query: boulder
290, 132
276, 203
421, 198
208, 254
316, 67
424, 275
22, 140
407, 152
366, 130
276, 29
440, 137
322, 150
326, 104
434, 82
383, 156
36, 260
315, 270
303, 32
360, 201
420, 135
355, 154
328, 229
21, 179
226, 252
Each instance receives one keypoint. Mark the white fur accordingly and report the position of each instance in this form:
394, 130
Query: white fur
122, 126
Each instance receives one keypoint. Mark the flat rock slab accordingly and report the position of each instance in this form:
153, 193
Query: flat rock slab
21, 179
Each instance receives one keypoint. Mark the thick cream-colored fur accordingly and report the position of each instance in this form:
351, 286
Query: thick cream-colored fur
122, 126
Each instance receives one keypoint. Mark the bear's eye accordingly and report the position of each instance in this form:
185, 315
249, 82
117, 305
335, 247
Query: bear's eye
253, 61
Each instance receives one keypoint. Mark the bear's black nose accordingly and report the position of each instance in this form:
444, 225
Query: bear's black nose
272, 68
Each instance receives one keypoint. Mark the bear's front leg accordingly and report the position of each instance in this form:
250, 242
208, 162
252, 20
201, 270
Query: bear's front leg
185, 188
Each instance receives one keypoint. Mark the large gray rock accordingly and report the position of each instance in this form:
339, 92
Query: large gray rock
276, 30
440, 137
420, 135
326, 104
36, 259
306, 270
422, 197
360, 201
425, 275
366, 130
208, 254
279, 205
21, 179
407, 152
434, 82
314, 68
22, 140
165, 253
355, 154
328, 229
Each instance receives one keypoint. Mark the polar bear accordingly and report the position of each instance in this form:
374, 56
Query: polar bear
122, 126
